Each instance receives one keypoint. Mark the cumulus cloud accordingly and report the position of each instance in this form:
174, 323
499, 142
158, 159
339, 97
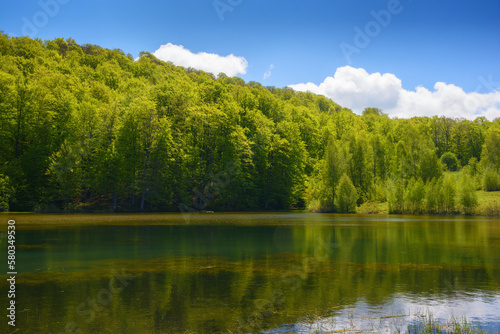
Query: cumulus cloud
269, 72
208, 62
357, 89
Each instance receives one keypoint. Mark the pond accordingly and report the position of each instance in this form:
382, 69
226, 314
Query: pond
250, 272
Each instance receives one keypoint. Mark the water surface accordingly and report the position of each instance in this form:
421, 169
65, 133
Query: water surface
252, 272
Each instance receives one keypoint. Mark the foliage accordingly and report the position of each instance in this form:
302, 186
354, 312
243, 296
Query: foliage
467, 195
432, 200
450, 161
490, 155
449, 193
395, 196
415, 195
347, 195
86, 128
6, 192
491, 180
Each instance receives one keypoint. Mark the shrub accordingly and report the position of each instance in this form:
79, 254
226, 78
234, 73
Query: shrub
473, 165
346, 195
467, 195
380, 191
6, 192
491, 181
430, 199
450, 160
449, 193
415, 196
395, 196
439, 194
490, 209
371, 207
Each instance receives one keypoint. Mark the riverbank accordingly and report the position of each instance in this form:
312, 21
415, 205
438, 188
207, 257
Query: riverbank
488, 205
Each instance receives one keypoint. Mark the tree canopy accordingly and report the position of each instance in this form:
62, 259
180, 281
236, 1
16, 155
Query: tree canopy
88, 128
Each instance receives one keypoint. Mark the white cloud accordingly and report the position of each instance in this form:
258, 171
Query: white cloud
268, 72
356, 89
208, 62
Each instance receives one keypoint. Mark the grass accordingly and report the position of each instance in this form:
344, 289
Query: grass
430, 325
373, 207
425, 324
489, 203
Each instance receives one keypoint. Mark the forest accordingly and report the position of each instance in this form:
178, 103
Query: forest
88, 129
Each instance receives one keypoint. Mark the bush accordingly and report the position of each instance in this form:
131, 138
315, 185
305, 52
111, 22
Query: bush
415, 196
467, 196
448, 191
450, 160
6, 192
491, 181
490, 209
371, 207
430, 197
473, 165
346, 195
395, 196
380, 192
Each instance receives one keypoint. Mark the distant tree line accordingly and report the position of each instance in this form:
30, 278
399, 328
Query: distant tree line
87, 128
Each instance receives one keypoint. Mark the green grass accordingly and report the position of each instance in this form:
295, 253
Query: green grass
373, 207
426, 324
489, 203
430, 325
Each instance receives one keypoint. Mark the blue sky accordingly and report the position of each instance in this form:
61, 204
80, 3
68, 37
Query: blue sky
410, 43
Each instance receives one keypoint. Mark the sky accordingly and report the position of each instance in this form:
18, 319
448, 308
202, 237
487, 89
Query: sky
406, 57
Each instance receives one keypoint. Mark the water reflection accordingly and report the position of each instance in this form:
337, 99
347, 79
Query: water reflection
254, 272
395, 315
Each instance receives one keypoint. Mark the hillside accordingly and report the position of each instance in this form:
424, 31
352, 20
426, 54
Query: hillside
83, 128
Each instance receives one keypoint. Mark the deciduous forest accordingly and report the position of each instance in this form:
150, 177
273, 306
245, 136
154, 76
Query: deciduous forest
88, 129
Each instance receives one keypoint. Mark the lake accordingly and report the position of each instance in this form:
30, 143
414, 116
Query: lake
250, 272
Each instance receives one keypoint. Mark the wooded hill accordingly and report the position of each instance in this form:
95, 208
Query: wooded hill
91, 129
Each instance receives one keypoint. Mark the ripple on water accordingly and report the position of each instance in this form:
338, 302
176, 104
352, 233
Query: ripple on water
396, 314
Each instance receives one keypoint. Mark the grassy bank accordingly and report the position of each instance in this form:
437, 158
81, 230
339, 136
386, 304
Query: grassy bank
488, 205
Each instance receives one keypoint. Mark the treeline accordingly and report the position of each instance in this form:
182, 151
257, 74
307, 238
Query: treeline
88, 128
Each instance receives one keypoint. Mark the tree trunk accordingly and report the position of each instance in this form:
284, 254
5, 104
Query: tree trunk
143, 197
333, 189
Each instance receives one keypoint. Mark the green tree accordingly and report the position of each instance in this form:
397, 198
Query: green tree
431, 194
430, 166
347, 195
360, 165
332, 172
379, 148
491, 180
62, 170
84, 128
415, 195
450, 160
467, 194
153, 142
396, 196
449, 193
490, 155
6, 193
